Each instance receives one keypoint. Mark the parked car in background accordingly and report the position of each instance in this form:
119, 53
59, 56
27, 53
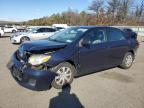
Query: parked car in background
33, 34
10, 29
1, 32
60, 27
70, 53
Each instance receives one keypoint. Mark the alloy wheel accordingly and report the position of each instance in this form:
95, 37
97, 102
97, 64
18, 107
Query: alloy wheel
128, 60
64, 76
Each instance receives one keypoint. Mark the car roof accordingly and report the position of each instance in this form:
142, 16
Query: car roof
91, 27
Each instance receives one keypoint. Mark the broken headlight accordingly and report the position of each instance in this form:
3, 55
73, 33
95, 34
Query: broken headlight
38, 59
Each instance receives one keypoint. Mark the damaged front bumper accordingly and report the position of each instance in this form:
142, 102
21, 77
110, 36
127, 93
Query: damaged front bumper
30, 78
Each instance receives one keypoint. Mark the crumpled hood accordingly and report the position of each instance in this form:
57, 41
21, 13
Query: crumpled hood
40, 45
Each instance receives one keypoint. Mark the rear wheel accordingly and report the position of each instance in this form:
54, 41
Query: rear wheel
127, 61
65, 75
13, 31
24, 39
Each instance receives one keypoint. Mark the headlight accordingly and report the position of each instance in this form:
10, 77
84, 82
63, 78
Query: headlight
38, 59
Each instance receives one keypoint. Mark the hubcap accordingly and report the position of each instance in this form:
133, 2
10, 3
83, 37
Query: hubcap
24, 39
129, 60
64, 76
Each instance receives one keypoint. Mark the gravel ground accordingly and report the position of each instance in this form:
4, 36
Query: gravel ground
113, 88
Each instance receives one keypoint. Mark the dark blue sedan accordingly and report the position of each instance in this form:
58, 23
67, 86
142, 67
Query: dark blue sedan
76, 51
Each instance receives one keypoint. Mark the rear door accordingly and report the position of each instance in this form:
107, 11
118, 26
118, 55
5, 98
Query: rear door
117, 46
94, 56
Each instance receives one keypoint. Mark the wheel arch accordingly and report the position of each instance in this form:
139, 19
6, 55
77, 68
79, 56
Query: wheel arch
73, 64
25, 36
131, 51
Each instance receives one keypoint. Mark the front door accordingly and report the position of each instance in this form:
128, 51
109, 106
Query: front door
93, 54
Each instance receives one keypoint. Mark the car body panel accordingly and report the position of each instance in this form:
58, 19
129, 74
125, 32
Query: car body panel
116, 51
43, 45
96, 57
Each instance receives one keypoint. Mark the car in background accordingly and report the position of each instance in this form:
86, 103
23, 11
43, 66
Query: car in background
36, 33
10, 29
74, 52
1, 32
60, 27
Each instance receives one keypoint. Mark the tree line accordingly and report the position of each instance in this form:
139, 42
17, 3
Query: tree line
99, 12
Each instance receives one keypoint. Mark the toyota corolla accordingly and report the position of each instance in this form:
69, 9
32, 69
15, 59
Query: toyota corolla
76, 51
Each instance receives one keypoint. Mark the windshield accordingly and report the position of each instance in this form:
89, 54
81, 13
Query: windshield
68, 35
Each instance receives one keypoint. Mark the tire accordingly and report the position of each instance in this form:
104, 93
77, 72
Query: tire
13, 31
24, 39
0, 35
60, 81
127, 61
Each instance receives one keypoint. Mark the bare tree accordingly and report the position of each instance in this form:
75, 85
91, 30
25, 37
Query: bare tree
113, 6
96, 6
112, 10
139, 10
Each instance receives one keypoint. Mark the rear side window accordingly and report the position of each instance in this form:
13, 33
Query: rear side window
41, 30
115, 35
49, 30
8, 27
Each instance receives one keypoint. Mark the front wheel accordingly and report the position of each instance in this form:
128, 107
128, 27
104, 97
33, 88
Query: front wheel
65, 75
13, 31
24, 39
127, 61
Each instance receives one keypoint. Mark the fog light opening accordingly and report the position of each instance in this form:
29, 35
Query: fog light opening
32, 82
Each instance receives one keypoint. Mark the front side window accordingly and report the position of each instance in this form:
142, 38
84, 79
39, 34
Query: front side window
9, 27
68, 35
115, 35
95, 37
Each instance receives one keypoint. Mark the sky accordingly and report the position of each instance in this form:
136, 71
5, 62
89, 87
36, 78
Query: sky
22, 10
28, 9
